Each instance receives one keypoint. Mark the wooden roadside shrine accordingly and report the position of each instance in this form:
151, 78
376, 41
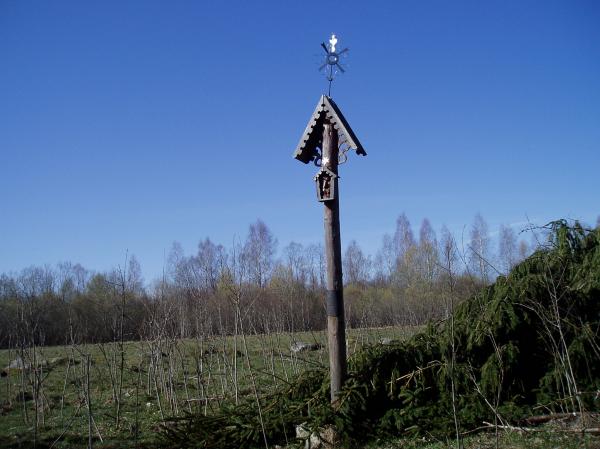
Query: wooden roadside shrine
325, 141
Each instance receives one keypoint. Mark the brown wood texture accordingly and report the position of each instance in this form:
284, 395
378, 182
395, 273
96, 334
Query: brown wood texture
336, 330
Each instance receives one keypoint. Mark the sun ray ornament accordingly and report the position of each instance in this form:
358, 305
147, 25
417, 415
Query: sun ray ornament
332, 65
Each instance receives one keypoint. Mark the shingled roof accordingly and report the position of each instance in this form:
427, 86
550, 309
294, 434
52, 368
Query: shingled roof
325, 112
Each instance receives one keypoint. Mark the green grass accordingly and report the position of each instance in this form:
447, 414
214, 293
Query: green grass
186, 372
544, 439
161, 378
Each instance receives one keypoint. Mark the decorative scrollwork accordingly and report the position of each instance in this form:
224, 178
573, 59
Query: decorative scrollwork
318, 158
343, 149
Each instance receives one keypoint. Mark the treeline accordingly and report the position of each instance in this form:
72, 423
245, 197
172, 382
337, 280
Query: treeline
410, 280
522, 351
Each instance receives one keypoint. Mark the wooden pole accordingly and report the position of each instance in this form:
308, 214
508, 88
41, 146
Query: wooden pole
336, 328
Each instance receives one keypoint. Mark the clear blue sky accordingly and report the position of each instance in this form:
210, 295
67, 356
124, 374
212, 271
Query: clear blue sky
128, 125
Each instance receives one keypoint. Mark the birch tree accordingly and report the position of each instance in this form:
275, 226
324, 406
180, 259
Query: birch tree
259, 251
479, 249
507, 248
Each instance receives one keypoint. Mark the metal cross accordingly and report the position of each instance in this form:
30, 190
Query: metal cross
332, 60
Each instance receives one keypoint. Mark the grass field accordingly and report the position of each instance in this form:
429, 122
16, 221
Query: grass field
544, 439
165, 378
44, 395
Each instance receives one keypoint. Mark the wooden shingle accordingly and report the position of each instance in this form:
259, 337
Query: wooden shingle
325, 112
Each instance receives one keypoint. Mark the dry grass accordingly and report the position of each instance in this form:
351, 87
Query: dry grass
160, 378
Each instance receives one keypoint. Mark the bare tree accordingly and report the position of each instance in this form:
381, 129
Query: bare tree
81, 277
428, 257
295, 261
479, 257
356, 265
449, 262
523, 250
73, 277
385, 260
507, 248
405, 252
315, 257
259, 251
211, 259
404, 240
449, 258
132, 278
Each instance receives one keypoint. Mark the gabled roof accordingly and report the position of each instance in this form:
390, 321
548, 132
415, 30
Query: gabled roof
325, 112
325, 170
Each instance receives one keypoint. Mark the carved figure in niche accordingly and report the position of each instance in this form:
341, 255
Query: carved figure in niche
325, 187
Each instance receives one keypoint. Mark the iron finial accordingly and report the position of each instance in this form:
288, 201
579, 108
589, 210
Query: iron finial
332, 60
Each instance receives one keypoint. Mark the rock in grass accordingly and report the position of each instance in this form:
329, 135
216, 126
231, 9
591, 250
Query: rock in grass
311, 439
387, 341
58, 361
325, 438
19, 364
302, 433
300, 346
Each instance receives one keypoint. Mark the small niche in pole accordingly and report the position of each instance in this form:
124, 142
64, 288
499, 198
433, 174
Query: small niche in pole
325, 180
